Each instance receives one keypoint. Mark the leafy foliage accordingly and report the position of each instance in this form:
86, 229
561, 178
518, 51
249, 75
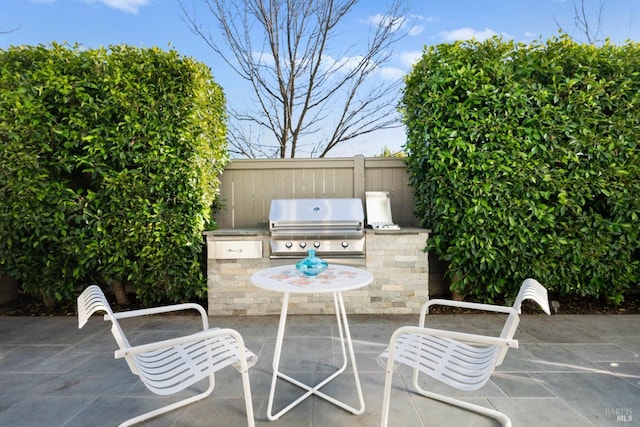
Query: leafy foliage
109, 165
524, 162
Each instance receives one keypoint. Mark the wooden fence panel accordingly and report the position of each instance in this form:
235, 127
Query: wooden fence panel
383, 174
248, 186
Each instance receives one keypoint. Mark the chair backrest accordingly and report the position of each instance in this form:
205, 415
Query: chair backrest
91, 300
532, 289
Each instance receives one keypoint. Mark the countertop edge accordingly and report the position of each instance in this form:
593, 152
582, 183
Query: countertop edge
264, 231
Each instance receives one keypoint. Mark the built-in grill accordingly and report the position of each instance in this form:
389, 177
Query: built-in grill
333, 227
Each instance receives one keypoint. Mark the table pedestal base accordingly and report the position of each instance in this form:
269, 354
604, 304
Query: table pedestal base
345, 337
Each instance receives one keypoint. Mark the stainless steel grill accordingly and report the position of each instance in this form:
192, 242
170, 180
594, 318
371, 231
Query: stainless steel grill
333, 227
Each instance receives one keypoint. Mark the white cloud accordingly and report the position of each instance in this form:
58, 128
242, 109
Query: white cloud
422, 18
384, 20
344, 65
347, 63
129, 6
263, 58
400, 22
416, 30
470, 33
410, 57
391, 73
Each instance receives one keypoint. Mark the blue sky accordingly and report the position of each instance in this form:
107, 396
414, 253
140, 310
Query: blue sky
147, 23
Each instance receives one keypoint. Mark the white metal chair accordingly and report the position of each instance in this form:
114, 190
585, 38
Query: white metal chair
462, 360
169, 366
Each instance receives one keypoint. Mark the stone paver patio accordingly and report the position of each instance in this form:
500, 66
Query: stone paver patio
570, 370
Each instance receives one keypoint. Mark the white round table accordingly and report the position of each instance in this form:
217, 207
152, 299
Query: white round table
336, 279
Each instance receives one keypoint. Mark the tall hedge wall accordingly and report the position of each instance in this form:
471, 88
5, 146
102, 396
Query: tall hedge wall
524, 162
108, 168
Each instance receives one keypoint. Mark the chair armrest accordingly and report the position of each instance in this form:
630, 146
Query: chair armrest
462, 304
469, 305
164, 309
453, 335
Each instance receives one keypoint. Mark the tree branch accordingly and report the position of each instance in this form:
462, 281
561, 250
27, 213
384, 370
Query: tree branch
300, 90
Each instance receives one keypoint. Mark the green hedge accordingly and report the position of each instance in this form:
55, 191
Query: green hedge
524, 162
109, 165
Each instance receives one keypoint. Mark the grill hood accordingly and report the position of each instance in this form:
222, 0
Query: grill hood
318, 214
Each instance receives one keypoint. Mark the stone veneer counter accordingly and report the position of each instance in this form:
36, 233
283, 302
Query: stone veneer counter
395, 258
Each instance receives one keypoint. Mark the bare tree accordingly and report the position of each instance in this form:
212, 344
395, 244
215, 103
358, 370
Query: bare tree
9, 31
585, 23
313, 88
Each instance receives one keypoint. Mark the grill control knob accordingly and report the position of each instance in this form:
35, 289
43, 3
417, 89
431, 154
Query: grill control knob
345, 244
288, 245
303, 244
316, 245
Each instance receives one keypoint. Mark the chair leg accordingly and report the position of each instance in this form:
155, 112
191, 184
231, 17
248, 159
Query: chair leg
386, 397
171, 407
247, 392
491, 413
499, 416
247, 400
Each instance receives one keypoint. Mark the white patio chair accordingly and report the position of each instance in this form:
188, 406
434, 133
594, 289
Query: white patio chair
169, 366
462, 360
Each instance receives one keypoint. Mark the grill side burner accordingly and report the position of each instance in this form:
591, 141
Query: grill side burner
333, 227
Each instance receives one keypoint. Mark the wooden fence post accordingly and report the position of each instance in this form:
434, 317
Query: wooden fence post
358, 177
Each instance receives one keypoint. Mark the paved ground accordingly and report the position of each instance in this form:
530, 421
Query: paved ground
570, 370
